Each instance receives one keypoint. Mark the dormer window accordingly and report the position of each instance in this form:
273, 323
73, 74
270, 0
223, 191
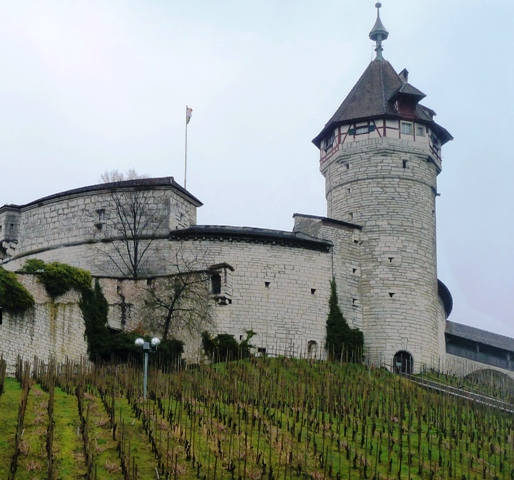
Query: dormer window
406, 128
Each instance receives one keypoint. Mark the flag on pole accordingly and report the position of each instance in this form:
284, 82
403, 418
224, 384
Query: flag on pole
189, 114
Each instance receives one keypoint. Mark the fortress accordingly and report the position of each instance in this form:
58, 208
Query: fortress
380, 154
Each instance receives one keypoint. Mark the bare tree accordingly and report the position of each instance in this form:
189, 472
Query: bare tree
183, 300
110, 176
134, 220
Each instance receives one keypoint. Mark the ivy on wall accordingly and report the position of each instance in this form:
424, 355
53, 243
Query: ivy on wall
102, 343
14, 297
343, 343
58, 278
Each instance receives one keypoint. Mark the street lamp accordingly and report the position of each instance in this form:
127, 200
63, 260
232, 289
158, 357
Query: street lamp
148, 347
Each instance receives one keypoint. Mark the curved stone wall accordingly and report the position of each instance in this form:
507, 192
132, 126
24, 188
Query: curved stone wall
78, 226
388, 187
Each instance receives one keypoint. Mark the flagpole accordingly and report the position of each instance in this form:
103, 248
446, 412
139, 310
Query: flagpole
185, 161
189, 112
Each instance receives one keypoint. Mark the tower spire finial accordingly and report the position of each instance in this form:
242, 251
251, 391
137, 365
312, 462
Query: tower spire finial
378, 33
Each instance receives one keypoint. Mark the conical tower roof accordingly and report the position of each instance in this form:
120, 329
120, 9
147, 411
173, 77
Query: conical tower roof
381, 92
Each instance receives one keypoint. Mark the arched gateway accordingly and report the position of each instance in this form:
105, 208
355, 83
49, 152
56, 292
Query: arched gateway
402, 362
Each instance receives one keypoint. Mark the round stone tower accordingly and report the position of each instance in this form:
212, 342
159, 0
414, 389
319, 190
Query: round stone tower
380, 154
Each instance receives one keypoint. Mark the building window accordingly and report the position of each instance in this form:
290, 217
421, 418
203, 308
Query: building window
221, 286
329, 141
420, 131
100, 218
435, 144
406, 128
362, 129
216, 283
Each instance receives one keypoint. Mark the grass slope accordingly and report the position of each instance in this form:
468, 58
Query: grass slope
256, 419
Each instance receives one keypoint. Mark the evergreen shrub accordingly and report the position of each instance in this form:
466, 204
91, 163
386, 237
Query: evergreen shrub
225, 347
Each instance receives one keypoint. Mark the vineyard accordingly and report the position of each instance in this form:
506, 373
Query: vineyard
259, 418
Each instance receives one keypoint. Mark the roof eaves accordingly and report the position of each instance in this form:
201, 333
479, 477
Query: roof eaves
329, 220
257, 235
136, 183
480, 336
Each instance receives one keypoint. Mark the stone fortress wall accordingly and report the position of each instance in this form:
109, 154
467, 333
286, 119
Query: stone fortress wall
274, 283
51, 329
76, 226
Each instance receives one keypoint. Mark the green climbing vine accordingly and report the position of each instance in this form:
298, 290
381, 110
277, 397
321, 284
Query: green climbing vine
14, 297
102, 343
343, 343
58, 278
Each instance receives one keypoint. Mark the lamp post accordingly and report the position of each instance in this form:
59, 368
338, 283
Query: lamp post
148, 347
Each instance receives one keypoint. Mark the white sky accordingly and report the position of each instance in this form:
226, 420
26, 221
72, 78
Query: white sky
90, 86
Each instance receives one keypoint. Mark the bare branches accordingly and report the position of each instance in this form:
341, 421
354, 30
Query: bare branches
110, 176
132, 225
183, 301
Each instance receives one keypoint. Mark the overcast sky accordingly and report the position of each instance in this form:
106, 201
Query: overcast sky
90, 86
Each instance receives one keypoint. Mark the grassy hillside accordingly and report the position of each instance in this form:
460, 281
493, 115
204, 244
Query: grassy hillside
258, 419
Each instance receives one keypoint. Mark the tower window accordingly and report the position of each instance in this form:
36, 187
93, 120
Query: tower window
406, 128
329, 141
420, 131
216, 283
362, 129
404, 162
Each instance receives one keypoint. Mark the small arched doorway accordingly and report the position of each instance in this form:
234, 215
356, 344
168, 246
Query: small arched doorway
402, 362
312, 349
